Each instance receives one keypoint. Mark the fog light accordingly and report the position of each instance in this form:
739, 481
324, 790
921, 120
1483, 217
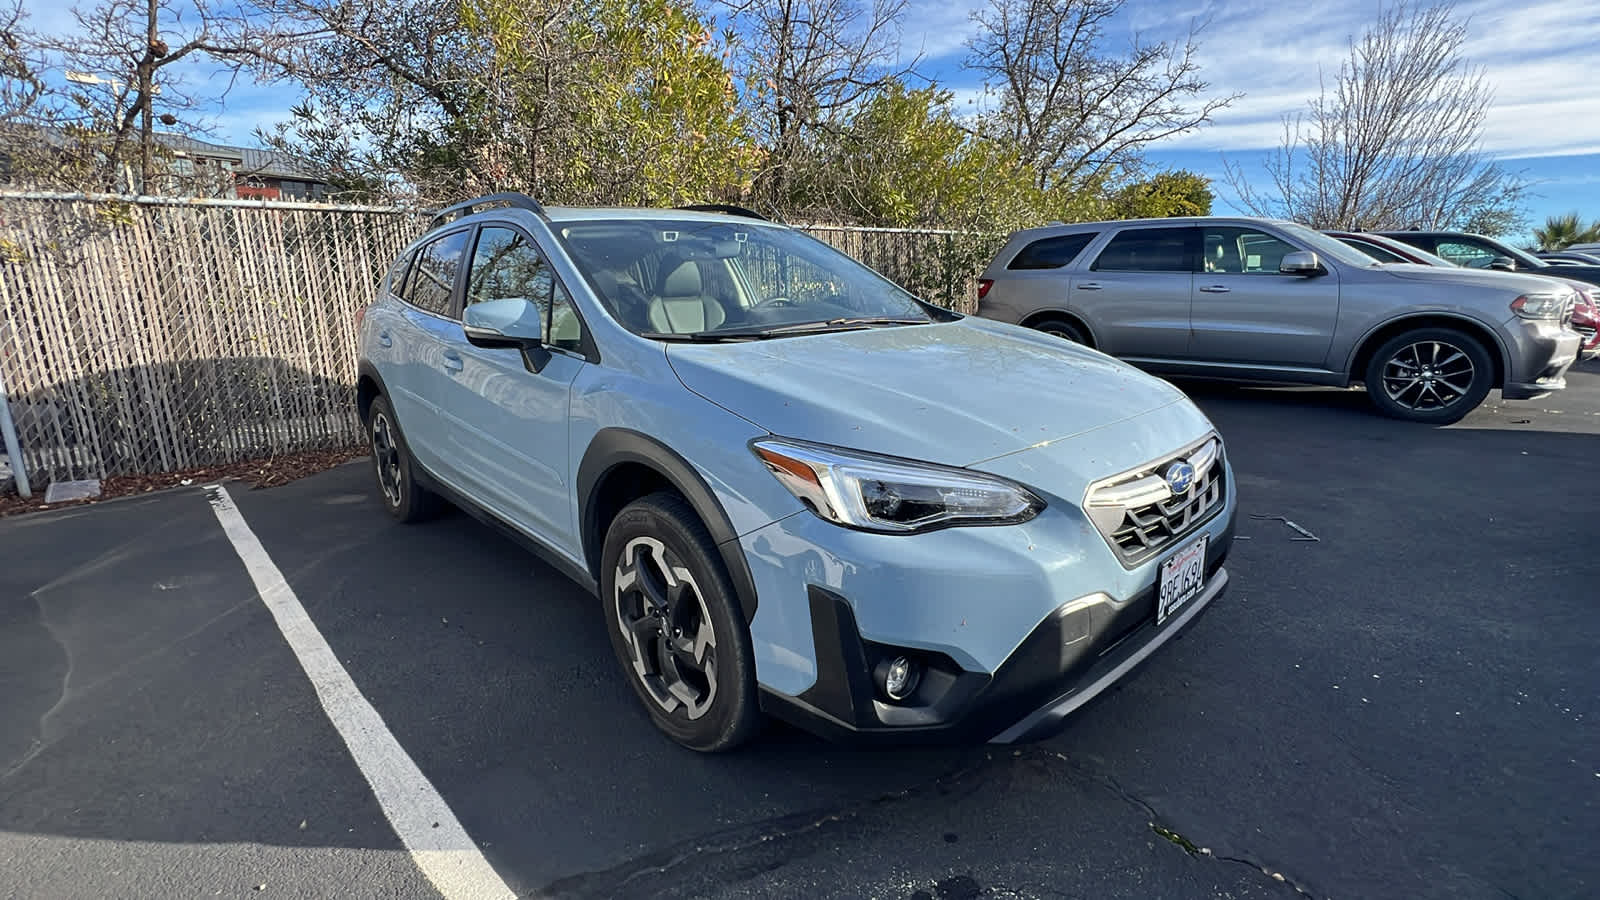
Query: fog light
899, 678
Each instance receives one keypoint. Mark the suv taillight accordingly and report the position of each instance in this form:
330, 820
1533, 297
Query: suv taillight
983, 287
361, 315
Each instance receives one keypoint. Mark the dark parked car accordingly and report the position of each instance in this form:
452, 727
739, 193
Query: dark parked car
1570, 257
1585, 313
1475, 251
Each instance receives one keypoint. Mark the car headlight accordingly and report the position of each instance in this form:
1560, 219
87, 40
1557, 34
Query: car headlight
1543, 305
886, 494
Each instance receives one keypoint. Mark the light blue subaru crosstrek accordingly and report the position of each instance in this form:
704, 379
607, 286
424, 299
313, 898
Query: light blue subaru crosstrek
795, 488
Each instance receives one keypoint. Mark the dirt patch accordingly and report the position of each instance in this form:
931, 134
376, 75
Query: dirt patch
258, 473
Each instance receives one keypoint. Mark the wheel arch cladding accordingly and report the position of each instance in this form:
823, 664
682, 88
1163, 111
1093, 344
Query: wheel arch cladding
369, 386
1034, 320
621, 466
1471, 327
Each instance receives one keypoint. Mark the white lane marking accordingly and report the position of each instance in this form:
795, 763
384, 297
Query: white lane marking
437, 842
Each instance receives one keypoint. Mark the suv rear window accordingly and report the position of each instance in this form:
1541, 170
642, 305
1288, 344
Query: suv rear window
433, 278
1149, 250
1052, 252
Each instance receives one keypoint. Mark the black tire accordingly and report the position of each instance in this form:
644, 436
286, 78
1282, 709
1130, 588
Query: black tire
1064, 329
694, 670
404, 498
1452, 374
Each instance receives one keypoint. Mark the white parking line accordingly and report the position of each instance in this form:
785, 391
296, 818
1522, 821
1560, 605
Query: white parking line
441, 847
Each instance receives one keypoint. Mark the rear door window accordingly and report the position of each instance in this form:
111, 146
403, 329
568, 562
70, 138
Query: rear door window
1052, 252
1150, 250
433, 277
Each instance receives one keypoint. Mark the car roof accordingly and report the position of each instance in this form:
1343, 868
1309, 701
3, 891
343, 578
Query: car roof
623, 213
1172, 220
1418, 233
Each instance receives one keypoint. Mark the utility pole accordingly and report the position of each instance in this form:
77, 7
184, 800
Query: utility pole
119, 96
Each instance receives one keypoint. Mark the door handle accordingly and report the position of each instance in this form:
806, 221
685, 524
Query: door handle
1088, 286
1214, 289
452, 362
384, 340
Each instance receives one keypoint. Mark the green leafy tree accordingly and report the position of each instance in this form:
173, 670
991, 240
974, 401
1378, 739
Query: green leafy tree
903, 159
577, 101
1176, 193
1560, 232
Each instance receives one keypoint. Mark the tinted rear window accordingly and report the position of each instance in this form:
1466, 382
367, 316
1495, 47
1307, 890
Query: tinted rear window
1148, 250
1052, 252
433, 277
396, 279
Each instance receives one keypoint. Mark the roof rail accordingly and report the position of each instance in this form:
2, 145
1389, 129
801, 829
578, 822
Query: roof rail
509, 198
726, 209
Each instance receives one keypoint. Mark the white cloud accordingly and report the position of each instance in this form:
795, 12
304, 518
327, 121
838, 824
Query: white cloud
937, 29
1535, 55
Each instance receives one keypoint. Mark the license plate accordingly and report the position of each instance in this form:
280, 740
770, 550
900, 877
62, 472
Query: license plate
1182, 577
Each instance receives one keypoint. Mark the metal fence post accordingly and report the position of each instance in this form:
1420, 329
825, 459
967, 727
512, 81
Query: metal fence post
8, 431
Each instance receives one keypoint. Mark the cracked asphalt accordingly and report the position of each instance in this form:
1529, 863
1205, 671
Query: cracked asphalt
1405, 707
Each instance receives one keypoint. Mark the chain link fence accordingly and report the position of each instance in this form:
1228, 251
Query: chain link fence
157, 335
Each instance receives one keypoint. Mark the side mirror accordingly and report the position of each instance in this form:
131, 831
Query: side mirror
514, 323
1503, 263
1300, 262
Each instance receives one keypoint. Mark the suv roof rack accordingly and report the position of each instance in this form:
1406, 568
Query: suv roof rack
508, 198
726, 209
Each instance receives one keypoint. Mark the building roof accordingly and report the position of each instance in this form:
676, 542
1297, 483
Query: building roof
247, 160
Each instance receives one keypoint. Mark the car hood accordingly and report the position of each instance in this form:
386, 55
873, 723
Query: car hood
1518, 282
956, 393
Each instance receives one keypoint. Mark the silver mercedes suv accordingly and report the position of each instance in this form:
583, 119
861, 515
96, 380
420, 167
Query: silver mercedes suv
1276, 302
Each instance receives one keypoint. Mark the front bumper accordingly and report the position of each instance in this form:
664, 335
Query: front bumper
1543, 352
1080, 650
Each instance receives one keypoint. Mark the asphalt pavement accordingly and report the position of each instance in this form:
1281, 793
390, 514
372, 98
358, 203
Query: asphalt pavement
1405, 707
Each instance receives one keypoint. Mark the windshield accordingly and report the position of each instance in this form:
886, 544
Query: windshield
1404, 250
1332, 248
667, 278
1523, 258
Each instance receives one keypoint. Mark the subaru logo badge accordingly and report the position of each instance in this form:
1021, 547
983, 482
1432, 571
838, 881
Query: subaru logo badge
1179, 477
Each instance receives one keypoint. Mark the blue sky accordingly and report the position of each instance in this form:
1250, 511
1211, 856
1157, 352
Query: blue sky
1538, 55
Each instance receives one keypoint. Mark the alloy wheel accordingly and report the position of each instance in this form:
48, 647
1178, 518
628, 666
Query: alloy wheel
1428, 375
386, 457
1062, 332
667, 628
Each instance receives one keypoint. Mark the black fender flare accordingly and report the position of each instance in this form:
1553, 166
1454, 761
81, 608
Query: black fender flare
366, 369
612, 447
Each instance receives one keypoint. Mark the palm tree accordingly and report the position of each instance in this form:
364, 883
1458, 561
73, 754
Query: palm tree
1559, 232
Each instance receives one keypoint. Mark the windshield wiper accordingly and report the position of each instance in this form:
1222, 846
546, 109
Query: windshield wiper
848, 323
697, 337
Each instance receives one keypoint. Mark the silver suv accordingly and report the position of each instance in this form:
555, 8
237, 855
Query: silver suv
1271, 301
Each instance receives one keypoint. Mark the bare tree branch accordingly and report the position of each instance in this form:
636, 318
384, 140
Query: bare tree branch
1078, 113
1396, 142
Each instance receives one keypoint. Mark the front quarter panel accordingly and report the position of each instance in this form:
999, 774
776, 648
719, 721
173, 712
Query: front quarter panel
1371, 300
